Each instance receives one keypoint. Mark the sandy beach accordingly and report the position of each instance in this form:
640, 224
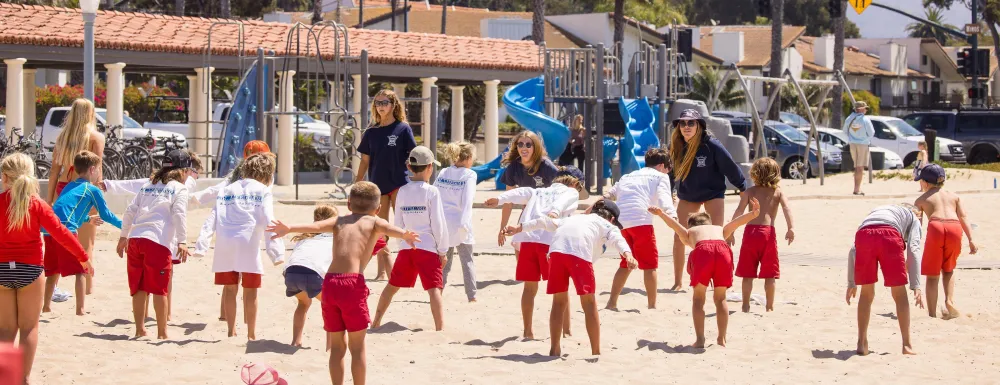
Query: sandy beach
810, 337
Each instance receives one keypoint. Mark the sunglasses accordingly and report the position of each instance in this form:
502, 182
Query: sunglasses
688, 123
524, 145
382, 103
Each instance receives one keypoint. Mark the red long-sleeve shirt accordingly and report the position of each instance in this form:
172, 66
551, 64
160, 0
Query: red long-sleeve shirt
24, 245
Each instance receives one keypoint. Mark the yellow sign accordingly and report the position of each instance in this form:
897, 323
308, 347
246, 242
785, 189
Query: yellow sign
859, 5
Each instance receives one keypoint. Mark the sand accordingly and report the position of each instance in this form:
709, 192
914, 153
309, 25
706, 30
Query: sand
810, 337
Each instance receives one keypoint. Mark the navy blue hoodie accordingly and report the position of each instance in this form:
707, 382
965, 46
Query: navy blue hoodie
707, 178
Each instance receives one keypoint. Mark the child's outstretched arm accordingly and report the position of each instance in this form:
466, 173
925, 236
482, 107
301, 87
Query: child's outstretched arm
741, 207
673, 224
965, 225
731, 227
280, 229
205, 236
790, 234
548, 223
275, 246
383, 226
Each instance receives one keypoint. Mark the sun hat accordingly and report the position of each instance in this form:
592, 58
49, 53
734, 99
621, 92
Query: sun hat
690, 114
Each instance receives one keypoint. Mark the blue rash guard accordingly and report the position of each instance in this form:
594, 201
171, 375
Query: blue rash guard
74, 204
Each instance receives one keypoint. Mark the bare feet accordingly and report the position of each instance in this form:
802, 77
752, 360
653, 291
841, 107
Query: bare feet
46, 310
222, 318
161, 336
676, 287
472, 300
380, 277
721, 341
746, 308
140, 333
232, 333
555, 352
699, 343
528, 335
252, 336
567, 333
862, 349
651, 307
908, 350
950, 312
82, 312
297, 344
376, 323
770, 308
612, 307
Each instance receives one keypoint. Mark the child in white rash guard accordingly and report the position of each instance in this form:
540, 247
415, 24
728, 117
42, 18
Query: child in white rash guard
457, 186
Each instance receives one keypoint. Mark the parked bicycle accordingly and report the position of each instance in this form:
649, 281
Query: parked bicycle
127, 158
30, 145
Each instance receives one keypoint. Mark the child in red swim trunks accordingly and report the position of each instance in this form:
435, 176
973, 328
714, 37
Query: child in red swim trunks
760, 242
344, 294
634, 193
880, 242
571, 255
944, 238
711, 261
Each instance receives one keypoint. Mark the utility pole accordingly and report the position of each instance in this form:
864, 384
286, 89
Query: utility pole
975, 55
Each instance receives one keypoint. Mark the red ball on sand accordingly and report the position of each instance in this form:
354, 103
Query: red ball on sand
260, 374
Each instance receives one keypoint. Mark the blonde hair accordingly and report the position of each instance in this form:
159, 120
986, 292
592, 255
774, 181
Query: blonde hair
681, 158
513, 156
195, 160
397, 108
577, 123
765, 173
75, 135
459, 151
364, 198
259, 167
569, 181
20, 172
322, 212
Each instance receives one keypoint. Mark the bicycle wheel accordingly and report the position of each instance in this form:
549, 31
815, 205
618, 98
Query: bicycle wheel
138, 162
42, 168
113, 164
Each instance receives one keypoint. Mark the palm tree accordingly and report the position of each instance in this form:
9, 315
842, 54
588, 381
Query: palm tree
317, 11
777, 18
790, 99
538, 22
933, 14
838, 65
619, 36
444, 17
179, 7
706, 84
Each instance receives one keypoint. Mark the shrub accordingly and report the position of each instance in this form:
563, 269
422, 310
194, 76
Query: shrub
862, 96
140, 107
509, 128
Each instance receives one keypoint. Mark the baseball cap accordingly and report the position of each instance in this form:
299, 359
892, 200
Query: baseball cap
422, 156
860, 104
575, 173
932, 174
613, 208
177, 159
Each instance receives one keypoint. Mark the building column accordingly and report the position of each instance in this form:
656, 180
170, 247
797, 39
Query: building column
356, 131
194, 106
15, 93
203, 131
29, 102
492, 124
457, 113
425, 109
400, 90
286, 138
116, 94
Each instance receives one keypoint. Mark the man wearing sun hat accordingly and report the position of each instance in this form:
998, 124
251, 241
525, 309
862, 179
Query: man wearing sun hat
859, 130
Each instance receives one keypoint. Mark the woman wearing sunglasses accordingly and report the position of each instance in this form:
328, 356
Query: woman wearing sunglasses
701, 167
527, 165
384, 148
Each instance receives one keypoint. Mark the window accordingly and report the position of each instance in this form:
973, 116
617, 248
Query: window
57, 118
936, 122
876, 87
977, 122
923, 60
913, 120
882, 131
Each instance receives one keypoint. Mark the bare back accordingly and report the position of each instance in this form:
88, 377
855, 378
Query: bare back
940, 204
769, 199
354, 238
705, 233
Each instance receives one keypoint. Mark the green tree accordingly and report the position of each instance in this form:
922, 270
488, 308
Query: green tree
792, 102
706, 84
919, 29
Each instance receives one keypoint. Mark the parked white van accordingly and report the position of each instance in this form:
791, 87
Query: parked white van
898, 136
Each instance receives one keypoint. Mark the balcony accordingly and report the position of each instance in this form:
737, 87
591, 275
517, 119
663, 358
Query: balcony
917, 100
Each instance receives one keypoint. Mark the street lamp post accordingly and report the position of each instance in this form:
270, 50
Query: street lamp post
89, 8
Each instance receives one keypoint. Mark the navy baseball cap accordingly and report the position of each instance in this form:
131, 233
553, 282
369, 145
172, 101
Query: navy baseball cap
932, 174
177, 159
613, 208
575, 173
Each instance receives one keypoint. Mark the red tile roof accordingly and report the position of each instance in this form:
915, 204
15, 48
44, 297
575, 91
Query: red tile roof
49, 26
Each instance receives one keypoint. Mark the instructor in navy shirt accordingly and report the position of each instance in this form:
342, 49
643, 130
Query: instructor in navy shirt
384, 149
701, 167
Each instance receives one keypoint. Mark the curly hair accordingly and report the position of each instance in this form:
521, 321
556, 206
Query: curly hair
765, 172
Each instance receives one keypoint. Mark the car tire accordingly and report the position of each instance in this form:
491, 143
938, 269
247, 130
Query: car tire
983, 154
909, 159
793, 168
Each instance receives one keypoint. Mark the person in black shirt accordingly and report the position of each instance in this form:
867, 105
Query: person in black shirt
701, 167
384, 148
527, 165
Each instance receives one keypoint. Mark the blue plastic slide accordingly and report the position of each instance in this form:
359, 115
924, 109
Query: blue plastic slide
525, 104
241, 124
640, 133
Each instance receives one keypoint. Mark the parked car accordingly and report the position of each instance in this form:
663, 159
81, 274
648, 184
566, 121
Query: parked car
898, 135
838, 138
54, 120
731, 114
977, 130
787, 145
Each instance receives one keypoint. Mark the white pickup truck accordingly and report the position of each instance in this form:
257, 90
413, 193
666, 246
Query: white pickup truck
52, 126
319, 130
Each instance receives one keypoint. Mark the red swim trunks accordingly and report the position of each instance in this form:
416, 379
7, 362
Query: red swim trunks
944, 244
380, 244
642, 241
562, 267
250, 280
345, 303
61, 185
413, 262
532, 262
760, 249
149, 266
711, 262
875, 246
59, 261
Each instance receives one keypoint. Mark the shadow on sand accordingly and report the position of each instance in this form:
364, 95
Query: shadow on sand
106, 337
182, 342
494, 345
271, 346
663, 347
534, 358
484, 284
392, 327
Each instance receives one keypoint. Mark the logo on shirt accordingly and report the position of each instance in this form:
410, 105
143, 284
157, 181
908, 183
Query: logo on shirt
414, 209
701, 160
538, 181
242, 198
158, 191
392, 140
450, 182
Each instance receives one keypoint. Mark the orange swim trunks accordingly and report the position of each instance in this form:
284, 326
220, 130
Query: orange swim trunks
944, 244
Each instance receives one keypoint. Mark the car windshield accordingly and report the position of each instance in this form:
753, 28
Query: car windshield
793, 119
128, 122
903, 127
305, 119
789, 132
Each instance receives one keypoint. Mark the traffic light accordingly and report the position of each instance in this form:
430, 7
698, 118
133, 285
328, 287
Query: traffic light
965, 61
764, 8
834, 8
983, 62
977, 93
